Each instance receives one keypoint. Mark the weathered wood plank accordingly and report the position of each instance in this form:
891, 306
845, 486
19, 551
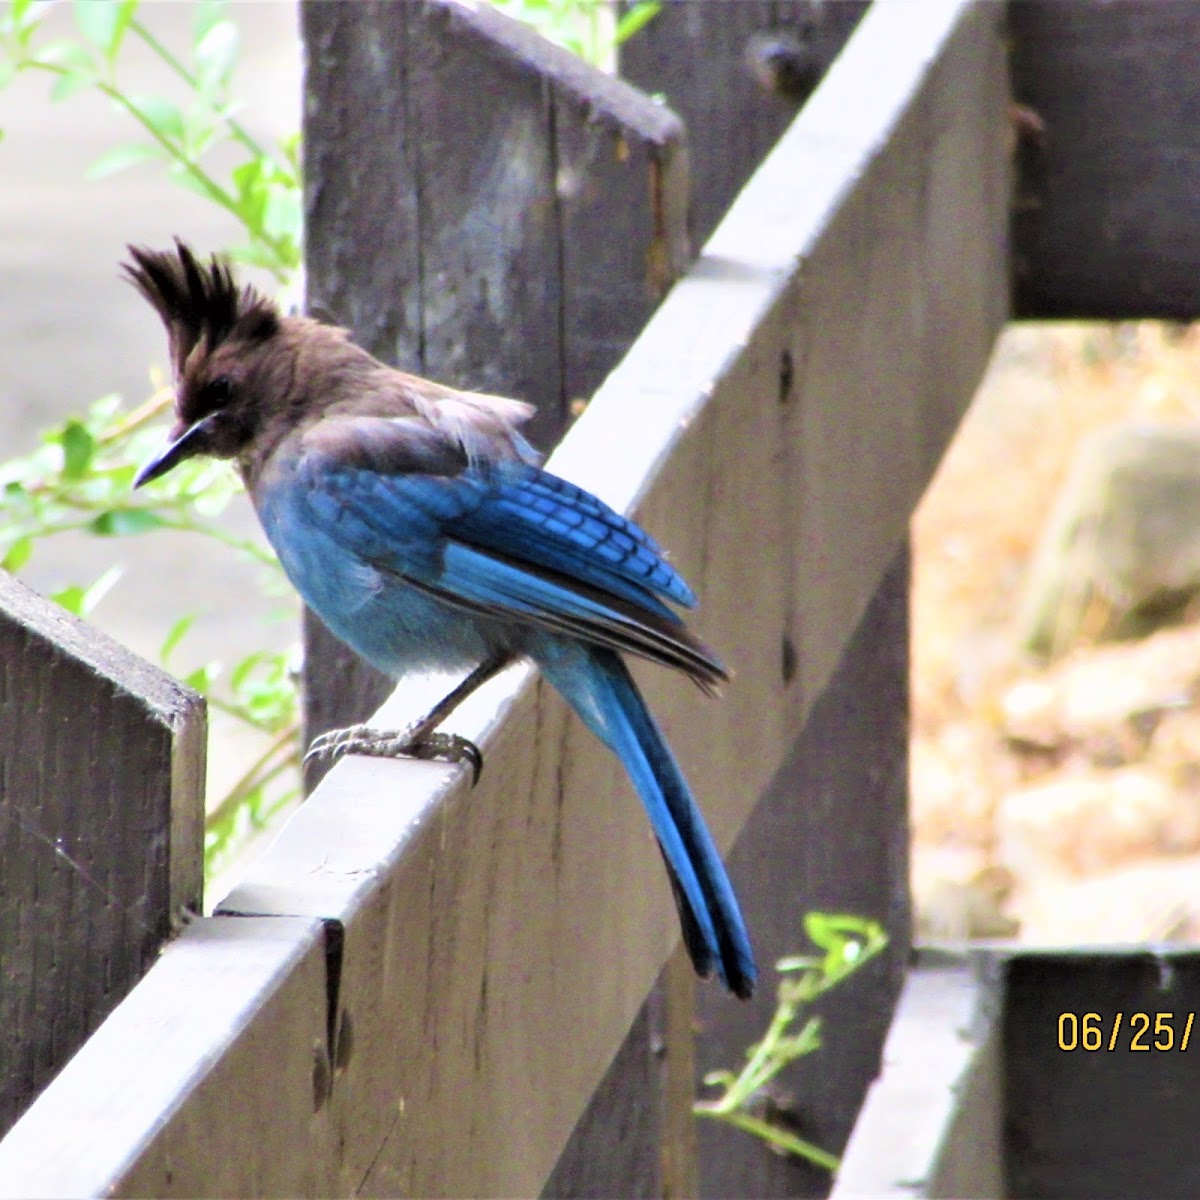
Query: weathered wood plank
209, 1079
1105, 223
101, 830
932, 1124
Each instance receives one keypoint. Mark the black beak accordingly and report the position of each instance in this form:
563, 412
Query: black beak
193, 440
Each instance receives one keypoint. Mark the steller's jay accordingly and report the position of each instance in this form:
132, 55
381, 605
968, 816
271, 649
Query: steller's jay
415, 521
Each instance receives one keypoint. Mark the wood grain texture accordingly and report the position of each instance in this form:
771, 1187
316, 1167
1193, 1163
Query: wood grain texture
209, 1079
483, 208
1105, 221
101, 830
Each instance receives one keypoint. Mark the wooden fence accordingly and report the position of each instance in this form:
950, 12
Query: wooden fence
427, 990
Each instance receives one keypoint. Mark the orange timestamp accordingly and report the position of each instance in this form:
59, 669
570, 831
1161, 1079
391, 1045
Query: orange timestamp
1136, 1031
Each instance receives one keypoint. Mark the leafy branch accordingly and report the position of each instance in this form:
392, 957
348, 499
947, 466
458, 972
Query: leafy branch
847, 943
263, 191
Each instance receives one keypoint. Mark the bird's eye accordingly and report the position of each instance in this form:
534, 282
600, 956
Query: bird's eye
216, 392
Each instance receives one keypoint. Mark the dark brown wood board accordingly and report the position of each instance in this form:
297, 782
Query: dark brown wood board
1106, 219
101, 830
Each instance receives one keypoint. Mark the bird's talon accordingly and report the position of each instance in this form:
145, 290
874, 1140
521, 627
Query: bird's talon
452, 748
359, 739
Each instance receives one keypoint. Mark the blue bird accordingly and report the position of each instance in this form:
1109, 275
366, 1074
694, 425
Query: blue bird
416, 522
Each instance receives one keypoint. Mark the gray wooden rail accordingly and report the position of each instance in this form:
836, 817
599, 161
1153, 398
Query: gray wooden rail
427, 990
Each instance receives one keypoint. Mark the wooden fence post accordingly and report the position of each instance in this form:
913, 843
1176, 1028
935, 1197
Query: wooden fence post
522, 216
849, 768
101, 830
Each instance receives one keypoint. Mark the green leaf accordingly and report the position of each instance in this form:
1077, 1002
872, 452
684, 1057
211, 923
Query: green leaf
121, 157
216, 54
103, 22
636, 19
175, 636
822, 931
202, 677
290, 149
97, 21
82, 600
239, 673
128, 12
18, 554
208, 13
78, 448
161, 114
26, 16
71, 56
66, 86
283, 213
125, 522
71, 598
248, 176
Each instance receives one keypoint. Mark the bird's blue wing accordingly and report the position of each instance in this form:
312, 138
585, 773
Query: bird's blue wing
501, 538
558, 525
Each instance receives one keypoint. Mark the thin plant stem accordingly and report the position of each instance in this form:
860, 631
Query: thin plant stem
236, 128
256, 775
781, 1139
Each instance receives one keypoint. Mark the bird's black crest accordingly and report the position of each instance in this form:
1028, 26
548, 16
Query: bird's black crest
198, 301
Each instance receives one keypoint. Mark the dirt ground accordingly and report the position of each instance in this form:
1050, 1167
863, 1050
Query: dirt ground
1052, 804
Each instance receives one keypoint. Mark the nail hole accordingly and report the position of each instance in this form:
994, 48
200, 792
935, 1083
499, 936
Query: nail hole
787, 376
788, 659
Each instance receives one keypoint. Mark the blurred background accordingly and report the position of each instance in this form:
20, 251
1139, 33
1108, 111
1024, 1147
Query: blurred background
1056, 658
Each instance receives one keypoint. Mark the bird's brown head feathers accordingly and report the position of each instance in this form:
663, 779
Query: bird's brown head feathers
246, 376
221, 337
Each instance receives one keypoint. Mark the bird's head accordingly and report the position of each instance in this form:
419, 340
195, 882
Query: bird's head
229, 354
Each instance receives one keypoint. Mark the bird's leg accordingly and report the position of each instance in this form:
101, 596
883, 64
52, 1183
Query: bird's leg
418, 740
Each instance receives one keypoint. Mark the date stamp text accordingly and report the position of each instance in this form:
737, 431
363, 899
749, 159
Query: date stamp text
1135, 1031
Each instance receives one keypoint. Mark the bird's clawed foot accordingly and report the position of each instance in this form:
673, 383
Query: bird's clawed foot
403, 743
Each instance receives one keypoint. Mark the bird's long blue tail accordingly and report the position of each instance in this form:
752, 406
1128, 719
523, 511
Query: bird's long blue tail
606, 697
